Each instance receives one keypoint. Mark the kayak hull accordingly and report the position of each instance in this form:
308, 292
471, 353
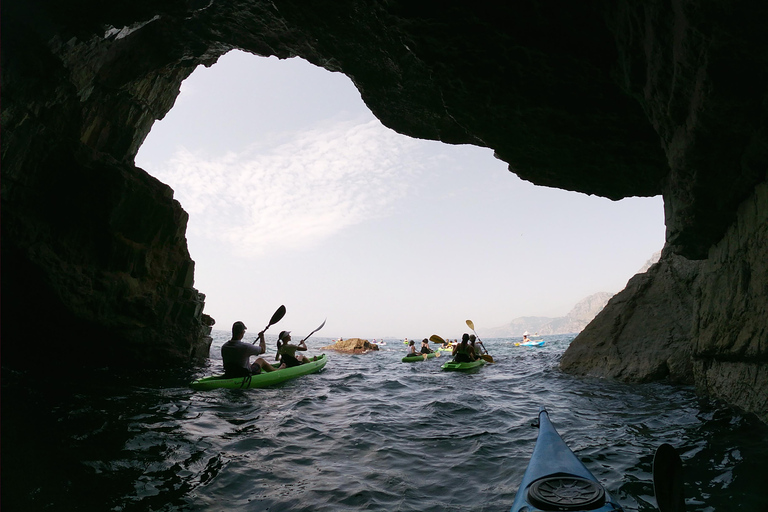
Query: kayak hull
262, 380
453, 366
419, 357
530, 344
557, 480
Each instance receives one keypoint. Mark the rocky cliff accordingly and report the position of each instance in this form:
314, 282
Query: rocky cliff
697, 322
610, 98
575, 321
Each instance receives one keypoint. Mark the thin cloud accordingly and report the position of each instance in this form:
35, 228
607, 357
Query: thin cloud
297, 192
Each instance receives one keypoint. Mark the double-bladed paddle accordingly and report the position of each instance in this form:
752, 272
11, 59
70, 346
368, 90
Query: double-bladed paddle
485, 356
668, 479
279, 314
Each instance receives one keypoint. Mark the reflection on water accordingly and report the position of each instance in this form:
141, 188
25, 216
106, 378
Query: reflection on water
367, 433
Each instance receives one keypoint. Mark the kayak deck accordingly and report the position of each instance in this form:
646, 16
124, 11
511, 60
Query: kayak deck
557, 480
262, 380
451, 365
418, 357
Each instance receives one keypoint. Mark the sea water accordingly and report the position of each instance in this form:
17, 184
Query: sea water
366, 433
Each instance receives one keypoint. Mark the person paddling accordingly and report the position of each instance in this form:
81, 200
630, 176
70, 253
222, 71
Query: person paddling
286, 352
463, 352
425, 347
412, 349
236, 354
476, 345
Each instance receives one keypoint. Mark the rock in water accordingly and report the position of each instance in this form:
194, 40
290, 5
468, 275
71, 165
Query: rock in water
352, 346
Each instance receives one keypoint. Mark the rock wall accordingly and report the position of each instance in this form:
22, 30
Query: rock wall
730, 331
616, 99
97, 267
697, 322
644, 332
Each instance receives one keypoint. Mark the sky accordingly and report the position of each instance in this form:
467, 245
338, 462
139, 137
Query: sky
298, 195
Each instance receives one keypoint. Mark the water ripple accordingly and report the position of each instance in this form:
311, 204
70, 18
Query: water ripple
366, 433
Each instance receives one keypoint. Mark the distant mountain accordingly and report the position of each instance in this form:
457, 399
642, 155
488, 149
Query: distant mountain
575, 321
578, 318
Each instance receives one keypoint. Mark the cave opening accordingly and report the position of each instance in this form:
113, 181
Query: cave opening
298, 195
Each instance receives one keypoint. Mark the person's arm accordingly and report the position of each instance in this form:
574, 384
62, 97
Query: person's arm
302, 345
262, 343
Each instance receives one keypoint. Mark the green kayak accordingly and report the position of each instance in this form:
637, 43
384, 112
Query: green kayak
451, 365
262, 380
419, 357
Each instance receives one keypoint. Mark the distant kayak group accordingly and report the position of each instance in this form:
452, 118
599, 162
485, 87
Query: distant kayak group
241, 373
468, 354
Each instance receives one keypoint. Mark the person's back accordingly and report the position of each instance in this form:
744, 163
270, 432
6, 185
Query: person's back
475, 345
236, 354
463, 353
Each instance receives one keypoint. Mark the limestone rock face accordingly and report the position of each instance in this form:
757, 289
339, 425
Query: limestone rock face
353, 346
730, 331
701, 322
643, 333
616, 99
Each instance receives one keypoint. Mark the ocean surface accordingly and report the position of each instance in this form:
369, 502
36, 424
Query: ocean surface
366, 433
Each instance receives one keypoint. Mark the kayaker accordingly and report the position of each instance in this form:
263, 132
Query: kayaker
412, 348
526, 339
479, 347
463, 352
236, 354
425, 347
286, 352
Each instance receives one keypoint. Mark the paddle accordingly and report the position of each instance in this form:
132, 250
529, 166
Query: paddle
279, 314
313, 332
436, 339
668, 479
487, 357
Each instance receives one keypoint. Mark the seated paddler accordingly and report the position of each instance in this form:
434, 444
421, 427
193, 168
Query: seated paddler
236, 354
286, 352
